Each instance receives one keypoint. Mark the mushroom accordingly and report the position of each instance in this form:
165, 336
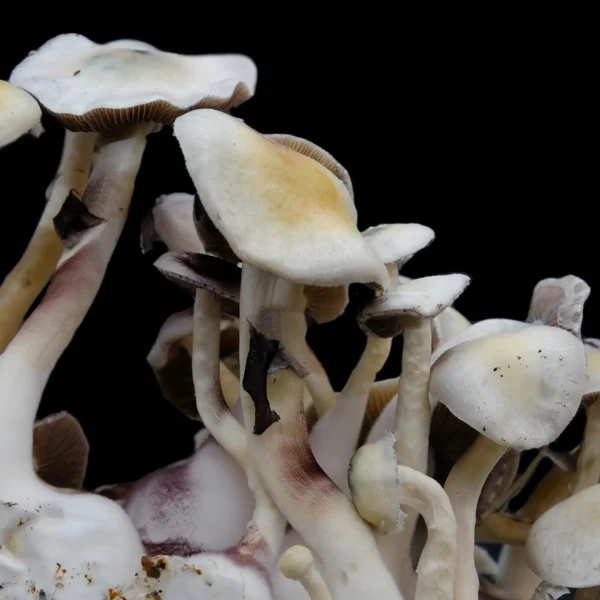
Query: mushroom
561, 547
60, 451
310, 238
518, 390
298, 563
116, 88
85, 534
380, 487
19, 114
335, 436
547, 591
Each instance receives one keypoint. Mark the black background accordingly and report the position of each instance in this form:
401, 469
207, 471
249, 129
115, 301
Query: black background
481, 132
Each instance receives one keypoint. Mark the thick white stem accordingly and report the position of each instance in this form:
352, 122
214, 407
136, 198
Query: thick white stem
30, 357
463, 486
437, 565
335, 437
588, 463
413, 416
316, 508
27, 279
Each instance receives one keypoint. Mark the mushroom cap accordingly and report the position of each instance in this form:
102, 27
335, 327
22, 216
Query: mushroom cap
519, 389
375, 485
559, 302
280, 210
562, 546
95, 87
171, 221
425, 298
19, 113
397, 243
477, 330
296, 562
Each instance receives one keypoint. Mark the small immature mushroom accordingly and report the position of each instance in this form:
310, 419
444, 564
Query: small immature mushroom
547, 591
19, 113
562, 547
60, 451
298, 563
310, 238
380, 487
518, 390
335, 437
124, 89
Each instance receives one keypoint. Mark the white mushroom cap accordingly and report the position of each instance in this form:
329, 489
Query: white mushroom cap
425, 298
397, 243
563, 544
375, 485
171, 221
94, 87
279, 209
519, 389
477, 330
296, 562
19, 113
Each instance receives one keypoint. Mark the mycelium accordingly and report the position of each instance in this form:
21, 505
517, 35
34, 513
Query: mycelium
117, 88
381, 488
518, 390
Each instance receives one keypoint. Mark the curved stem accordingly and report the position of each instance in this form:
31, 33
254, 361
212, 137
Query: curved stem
437, 565
335, 437
588, 463
31, 356
463, 487
501, 528
27, 279
413, 415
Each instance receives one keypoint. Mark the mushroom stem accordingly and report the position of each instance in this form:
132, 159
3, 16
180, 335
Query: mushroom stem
298, 563
588, 463
212, 407
501, 528
547, 591
268, 524
31, 356
272, 312
413, 412
463, 486
437, 565
335, 437
29, 276
515, 577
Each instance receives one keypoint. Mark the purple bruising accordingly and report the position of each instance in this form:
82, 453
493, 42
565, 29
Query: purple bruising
172, 547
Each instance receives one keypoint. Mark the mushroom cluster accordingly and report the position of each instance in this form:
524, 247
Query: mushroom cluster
387, 489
